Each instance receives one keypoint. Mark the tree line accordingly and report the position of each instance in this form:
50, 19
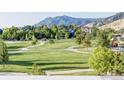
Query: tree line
27, 32
54, 32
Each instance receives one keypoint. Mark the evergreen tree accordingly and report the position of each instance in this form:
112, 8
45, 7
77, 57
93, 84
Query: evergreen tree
80, 36
87, 41
54, 30
34, 40
3, 53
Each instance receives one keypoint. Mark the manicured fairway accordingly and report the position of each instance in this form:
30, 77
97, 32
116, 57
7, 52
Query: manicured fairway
53, 57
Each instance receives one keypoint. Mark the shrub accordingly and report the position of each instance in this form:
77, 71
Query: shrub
101, 59
34, 40
105, 61
3, 53
36, 70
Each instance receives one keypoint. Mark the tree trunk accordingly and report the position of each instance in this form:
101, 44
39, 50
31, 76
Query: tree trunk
3, 65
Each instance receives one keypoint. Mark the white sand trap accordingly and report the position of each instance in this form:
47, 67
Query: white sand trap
73, 49
26, 48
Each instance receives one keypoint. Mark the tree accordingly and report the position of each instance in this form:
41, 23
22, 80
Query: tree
20, 35
104, 37
83, 38
94, 32
46, 31
80, 36
87, 41
67, 34
13, 31
100, 60
26, 37
3, 53
57, 36
34, 40
105, 61
72, 26
117, 67
6, 33
10, 33
38, 32
54, 30
62, 32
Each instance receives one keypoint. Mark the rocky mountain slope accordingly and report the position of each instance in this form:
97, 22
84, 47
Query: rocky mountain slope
115, 21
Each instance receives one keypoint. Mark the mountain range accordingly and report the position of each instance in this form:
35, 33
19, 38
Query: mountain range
111, 21
64, 20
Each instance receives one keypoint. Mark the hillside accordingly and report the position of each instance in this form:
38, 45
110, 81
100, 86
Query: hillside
114, 21
113, 18
65, 20
117, 25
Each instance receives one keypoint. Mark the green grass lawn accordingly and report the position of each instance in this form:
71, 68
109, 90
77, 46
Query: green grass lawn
18, 45
48, 57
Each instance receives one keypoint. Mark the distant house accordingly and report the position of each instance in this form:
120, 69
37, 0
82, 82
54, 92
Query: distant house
86, 29
114, 42
117, 40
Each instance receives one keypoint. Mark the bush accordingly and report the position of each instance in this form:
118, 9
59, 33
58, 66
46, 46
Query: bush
36, 70
101, 60
34, 40
3, 53
105, 61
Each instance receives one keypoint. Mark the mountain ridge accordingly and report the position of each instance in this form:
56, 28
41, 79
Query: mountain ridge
64, 20
67, 20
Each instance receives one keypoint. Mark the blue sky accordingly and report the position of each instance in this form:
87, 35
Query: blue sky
8, 19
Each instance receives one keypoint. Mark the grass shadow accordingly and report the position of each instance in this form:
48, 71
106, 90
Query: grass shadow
64, 67
14, 47
30, 63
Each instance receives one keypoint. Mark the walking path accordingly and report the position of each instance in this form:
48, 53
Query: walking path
12, 74
73, 49
67, 72
27, 48
47, 72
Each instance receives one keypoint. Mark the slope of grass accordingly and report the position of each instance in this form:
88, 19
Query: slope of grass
17, 45
48, 57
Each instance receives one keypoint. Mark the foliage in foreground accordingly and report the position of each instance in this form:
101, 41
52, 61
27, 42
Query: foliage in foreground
3, 53
36, 70
34, 40
105, 61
